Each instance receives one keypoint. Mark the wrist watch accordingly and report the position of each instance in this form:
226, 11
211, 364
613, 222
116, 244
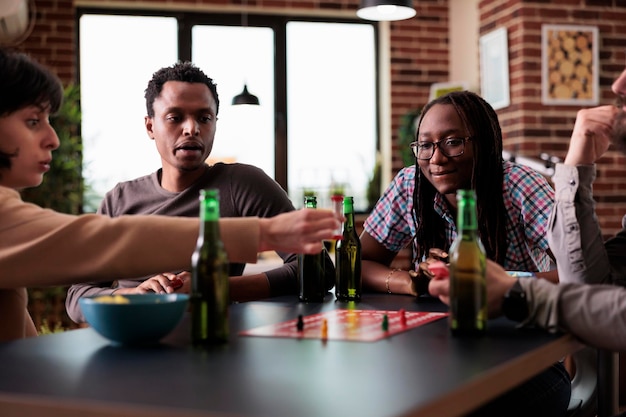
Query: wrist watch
514, 305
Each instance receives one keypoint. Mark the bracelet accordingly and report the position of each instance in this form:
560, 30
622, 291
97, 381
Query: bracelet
388, 278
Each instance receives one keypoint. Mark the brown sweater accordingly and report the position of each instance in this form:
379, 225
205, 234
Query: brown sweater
40, 247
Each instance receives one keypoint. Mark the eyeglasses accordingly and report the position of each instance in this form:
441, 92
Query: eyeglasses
450, 147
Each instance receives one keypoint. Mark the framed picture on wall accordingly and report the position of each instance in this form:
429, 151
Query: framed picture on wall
494, 68
440, 89
569, 65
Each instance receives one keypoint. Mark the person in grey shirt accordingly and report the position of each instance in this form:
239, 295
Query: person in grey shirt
574, 232
182, 105
593, 313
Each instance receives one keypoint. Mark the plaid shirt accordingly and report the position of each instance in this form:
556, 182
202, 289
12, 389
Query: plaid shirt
528, 199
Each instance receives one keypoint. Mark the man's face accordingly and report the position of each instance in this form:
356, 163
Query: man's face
619, 128
183, 126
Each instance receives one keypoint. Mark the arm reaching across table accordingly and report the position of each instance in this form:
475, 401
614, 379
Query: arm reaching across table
43, 247
593, 313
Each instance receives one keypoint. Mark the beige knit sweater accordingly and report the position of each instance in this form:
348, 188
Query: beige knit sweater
40, 247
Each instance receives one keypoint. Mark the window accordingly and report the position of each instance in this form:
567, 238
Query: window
244, 133
112, 80
331, 96
316, 81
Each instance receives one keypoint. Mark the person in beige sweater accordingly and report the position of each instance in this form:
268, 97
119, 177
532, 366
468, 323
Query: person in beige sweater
43, 247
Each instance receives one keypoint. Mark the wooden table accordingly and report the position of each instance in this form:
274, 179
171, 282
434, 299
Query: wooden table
422, 372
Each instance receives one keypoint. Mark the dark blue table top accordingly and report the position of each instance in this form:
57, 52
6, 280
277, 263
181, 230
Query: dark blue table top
424, 371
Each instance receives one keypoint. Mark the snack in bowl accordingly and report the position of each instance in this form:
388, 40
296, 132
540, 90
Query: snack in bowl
132, 319
115, 299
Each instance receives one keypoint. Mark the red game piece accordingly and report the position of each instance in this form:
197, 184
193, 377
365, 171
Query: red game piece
176, 283
439, 269
353, 325
402, 317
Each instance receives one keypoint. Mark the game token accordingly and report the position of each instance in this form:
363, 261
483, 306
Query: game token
439, 269
352, 325
324, 329
385, 323
402, 317
300, 323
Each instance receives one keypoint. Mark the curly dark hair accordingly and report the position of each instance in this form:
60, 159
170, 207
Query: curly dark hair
481, 122
181, 71
24, 82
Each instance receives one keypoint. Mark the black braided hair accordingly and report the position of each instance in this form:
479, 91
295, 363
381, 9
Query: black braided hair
481, 122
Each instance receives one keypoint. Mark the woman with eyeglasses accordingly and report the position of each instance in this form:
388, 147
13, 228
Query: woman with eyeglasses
459, 146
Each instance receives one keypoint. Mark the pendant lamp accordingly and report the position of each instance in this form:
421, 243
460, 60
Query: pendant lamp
380, 10
245, 97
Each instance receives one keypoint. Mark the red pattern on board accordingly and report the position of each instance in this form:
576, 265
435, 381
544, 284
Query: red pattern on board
349, 325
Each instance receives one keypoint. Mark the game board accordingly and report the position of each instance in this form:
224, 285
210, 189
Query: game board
350, 325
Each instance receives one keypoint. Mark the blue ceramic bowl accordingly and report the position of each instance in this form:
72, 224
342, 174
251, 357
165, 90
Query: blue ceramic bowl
143, 319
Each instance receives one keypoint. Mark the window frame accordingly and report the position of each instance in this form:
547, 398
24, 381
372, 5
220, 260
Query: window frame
278, 23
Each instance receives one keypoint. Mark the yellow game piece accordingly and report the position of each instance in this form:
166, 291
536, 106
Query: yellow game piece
325, 329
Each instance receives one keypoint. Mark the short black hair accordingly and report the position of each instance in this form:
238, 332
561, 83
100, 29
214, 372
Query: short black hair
24, 82
181, 71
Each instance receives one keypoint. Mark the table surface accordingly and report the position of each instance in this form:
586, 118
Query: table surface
424, 371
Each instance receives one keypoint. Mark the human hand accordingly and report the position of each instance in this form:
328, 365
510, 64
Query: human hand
591, 135
421, 277
182, 282
498, 283
165, 283
439, 285
299, 231
434, 255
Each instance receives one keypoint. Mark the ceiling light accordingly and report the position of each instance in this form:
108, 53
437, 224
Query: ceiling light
245, 97
386, 9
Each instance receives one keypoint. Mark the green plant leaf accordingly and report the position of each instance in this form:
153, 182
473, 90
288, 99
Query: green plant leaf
406, 135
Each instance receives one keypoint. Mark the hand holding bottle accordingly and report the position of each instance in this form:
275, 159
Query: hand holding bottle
300, 231
468, 287
498, 283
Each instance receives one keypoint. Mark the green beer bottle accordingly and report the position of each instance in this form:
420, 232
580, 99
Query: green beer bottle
311, 286
468, 288
348, 258
209, 277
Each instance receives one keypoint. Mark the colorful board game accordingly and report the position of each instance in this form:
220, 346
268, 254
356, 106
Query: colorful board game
350, 325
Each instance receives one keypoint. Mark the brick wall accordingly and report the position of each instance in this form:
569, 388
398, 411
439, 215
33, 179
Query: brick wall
531, 127
419, 57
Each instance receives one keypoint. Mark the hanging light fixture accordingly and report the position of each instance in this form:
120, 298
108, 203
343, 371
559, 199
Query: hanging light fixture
386, 10
245, 97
